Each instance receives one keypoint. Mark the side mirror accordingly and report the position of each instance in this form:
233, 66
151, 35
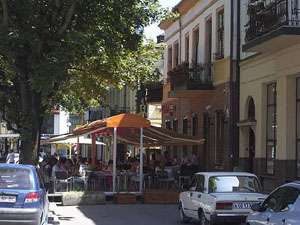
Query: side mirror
258, 207
185, 187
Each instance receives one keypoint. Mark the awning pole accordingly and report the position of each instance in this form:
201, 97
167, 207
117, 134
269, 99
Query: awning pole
114, 159
93, 155
141, 161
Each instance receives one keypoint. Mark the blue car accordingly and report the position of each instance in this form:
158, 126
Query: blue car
23, 197
281, 207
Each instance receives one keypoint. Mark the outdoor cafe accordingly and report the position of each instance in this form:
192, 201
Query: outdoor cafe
135, 174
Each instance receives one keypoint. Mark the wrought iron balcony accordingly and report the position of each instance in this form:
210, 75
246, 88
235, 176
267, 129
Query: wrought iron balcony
269, 20
154, 92
191, 77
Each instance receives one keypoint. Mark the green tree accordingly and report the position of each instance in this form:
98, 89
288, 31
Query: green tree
51, 51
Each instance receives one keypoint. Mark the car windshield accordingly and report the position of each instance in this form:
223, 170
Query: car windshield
225, 184
15, 178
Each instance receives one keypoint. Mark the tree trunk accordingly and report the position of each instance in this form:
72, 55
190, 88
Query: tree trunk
31, 115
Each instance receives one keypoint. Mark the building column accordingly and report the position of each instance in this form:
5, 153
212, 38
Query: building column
285, 166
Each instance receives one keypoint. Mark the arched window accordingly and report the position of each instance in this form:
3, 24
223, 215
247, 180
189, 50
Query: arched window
251, 109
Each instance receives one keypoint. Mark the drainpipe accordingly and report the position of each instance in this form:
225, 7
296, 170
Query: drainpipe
180, 40
234, 83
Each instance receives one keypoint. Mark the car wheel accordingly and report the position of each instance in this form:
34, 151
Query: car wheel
183, 217
202, 218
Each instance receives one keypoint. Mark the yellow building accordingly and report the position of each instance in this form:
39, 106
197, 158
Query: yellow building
270, 90
199, 81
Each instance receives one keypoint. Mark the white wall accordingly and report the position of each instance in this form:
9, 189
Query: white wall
61, 122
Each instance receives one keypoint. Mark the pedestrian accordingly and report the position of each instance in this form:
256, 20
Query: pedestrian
10, 158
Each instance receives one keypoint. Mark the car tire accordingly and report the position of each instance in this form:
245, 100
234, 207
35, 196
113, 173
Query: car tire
202, 218
183, 218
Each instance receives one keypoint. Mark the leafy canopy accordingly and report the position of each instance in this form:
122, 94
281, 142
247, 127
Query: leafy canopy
69, 51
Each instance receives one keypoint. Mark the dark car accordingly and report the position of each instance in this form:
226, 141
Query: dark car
23, 197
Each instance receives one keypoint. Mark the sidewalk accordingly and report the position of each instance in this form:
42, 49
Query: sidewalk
52, 217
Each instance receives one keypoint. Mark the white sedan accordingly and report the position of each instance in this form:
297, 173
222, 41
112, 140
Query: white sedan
220, 197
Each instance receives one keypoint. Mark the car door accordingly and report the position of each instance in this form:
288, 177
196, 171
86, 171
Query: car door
188, 204
43, 193
197, 195
288, 197
270, 206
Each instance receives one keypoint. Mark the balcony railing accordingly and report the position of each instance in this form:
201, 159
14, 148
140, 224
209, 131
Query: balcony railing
267, 16
191, 77
154, 92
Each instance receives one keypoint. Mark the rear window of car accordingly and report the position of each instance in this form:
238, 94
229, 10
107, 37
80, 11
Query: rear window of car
226, 184
16, 178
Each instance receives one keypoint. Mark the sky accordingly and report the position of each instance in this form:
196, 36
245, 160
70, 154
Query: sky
152, 31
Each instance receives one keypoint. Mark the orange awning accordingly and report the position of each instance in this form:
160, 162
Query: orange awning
128, 126
125, 120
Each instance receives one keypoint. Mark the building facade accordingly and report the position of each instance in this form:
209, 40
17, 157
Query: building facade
270, 90
198, 97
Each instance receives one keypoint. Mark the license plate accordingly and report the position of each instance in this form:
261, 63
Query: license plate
243, 205
8, 199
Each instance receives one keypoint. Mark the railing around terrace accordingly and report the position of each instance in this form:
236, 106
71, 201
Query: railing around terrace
269, 15
194, 76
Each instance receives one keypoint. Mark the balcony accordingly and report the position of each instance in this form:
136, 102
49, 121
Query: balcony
154, 92
191, 77
272, 25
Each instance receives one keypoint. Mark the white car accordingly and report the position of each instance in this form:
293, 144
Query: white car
281, 207
220, 197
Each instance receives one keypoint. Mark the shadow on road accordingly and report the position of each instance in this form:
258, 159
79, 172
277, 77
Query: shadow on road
131, 214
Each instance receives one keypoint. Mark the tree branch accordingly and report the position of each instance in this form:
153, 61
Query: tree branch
4, 14
68, 18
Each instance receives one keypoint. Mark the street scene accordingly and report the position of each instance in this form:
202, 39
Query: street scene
149, 112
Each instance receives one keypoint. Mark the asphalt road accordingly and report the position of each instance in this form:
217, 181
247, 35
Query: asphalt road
118, 215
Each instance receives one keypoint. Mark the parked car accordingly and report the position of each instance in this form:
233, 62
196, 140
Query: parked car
23, 197
220, 197
281, 207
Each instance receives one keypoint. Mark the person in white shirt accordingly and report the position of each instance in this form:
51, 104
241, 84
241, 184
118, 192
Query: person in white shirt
10, 158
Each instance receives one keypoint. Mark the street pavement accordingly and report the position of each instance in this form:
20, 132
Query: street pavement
110, 214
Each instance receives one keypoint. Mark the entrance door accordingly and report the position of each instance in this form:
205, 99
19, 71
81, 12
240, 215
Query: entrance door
251, 148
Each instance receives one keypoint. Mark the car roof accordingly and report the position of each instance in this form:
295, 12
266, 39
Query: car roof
295, 183
209, 174
20, 166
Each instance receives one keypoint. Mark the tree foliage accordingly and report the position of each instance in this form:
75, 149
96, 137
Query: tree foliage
68, 52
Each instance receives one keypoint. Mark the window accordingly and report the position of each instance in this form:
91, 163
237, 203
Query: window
16, 178
185, 126
282, 199
175, 125
219, 137
271, 127
224, 184
168, 125
187, 48
170, 55
195, 125
298, 126
198, 183
220, 35
208, 40
176, 54
196, 46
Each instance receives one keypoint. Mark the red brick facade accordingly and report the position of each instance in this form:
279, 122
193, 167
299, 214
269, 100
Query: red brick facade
210, 107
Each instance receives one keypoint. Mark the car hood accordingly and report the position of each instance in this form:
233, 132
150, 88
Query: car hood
239, 196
